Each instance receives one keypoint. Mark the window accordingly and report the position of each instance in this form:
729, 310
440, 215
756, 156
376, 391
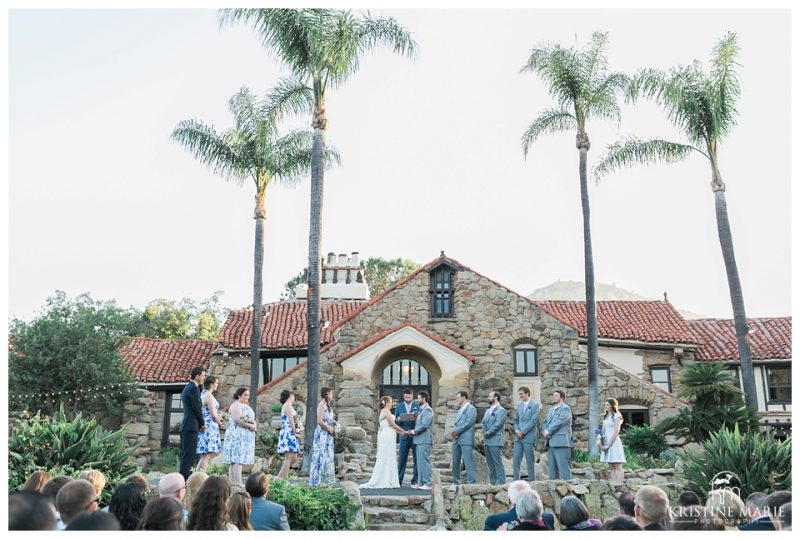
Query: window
634, 415
525, 360
779, 384
173, 415
660, 376
272, 367
735, 370
442, 289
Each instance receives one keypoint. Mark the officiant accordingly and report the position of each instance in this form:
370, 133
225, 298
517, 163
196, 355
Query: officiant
406, 413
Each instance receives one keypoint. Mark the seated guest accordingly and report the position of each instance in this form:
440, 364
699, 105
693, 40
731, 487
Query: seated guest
75, 498
36, 481
193, 484
575, 516
209, 510
140, 481
621, 523
687, 498
51, 489
652, 508
96, 478
264, 515
785, 517
529, 513
626, 504
173, 486
162, 514
239, 507
94, 521
127, 504
695, 517
30, 511
757, 513
726, 505
774, 503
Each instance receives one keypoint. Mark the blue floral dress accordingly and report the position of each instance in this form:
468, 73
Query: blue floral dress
287, 441
240, 443
322, 468
209, 440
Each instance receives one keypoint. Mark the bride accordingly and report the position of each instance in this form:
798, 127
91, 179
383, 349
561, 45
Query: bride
384, 475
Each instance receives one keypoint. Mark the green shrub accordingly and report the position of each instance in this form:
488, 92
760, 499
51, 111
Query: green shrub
643, 441
217, 469
67, 447
276, 408
760, 461
342, 443
479, 440
167, 460
314, 508
582, 456
266, 443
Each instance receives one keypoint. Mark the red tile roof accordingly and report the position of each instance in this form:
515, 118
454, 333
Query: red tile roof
284, 326
645, 321
165, 360
771, 338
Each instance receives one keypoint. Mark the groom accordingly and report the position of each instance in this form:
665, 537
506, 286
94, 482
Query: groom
423, 440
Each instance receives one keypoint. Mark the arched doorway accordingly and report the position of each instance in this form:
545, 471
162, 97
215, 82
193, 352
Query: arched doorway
403, 373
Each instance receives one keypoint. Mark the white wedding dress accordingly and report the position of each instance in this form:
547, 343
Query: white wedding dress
384, 475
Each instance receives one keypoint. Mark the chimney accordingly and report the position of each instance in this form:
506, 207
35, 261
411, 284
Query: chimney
331, 259
354, 259
342, 260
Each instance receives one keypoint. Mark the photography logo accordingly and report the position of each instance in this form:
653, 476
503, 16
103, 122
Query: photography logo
729, 481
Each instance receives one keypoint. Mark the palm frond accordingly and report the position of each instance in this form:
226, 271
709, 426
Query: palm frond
559, 69
243, 106
208, 147
632, 151
593, 59
288, 96
291, 156
387, 31
549, 121
724, 87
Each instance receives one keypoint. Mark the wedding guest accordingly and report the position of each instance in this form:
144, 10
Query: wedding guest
529, 513
557, 432
97, 479
774, 503
406, 446
621, 523
36, 481
423, 440
727, 506
162, 514
288, 445
526, 419
611, 450
94, 521
494, 420
575, 516
74, 498
757, 513
626, 504
322, 470
192, 423
51, 489
127, 504
30, 511
240, 437
515, 488
652, 508
265, 515
687, 498
695, 518
785, 517
239, 507
193, 485
208, 441
173, 486
209, 508
463, 436
141, 482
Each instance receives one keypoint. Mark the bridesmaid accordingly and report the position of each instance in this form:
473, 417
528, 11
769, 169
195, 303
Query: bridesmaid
610, 443
322, 467
240, 438
290, 431
209, 443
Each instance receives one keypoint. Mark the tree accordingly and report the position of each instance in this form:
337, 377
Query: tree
322, 48
379, 273
251, 149
703, 107
169, 319
68, 355
583, 87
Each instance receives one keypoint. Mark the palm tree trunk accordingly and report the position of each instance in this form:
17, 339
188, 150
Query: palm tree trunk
591, 317
314, 278
258, 286
737, 299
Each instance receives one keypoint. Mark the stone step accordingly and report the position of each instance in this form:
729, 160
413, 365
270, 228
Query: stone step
400, 526
363, 477
394, 501
390, 515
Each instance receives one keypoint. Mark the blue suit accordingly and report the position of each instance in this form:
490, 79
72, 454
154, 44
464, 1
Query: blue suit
493, 423
267, 515
558, 422
191, 424
525, 420
464, 428
406, 442
423, 440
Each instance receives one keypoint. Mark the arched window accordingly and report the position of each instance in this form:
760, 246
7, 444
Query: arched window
401, 374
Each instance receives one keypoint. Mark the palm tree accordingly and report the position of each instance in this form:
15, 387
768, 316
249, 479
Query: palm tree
703, 106
583, 88
251, 149
321, 47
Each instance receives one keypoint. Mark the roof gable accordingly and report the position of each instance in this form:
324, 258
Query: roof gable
165, 360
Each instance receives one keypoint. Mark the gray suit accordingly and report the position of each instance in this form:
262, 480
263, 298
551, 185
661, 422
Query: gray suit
558, 422
493, 423
525, 421
462, 446
423, 439
267, 515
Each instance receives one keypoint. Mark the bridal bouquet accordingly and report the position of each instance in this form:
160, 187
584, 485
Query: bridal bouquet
600, 439
337, 428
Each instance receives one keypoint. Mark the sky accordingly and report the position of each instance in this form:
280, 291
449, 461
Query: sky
101, 200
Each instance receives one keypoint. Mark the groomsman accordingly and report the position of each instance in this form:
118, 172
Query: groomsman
526, 419
494, 419
423, 440
557, 431
464, 438
408, 406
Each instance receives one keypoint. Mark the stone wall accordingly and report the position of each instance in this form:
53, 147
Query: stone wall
145, 414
